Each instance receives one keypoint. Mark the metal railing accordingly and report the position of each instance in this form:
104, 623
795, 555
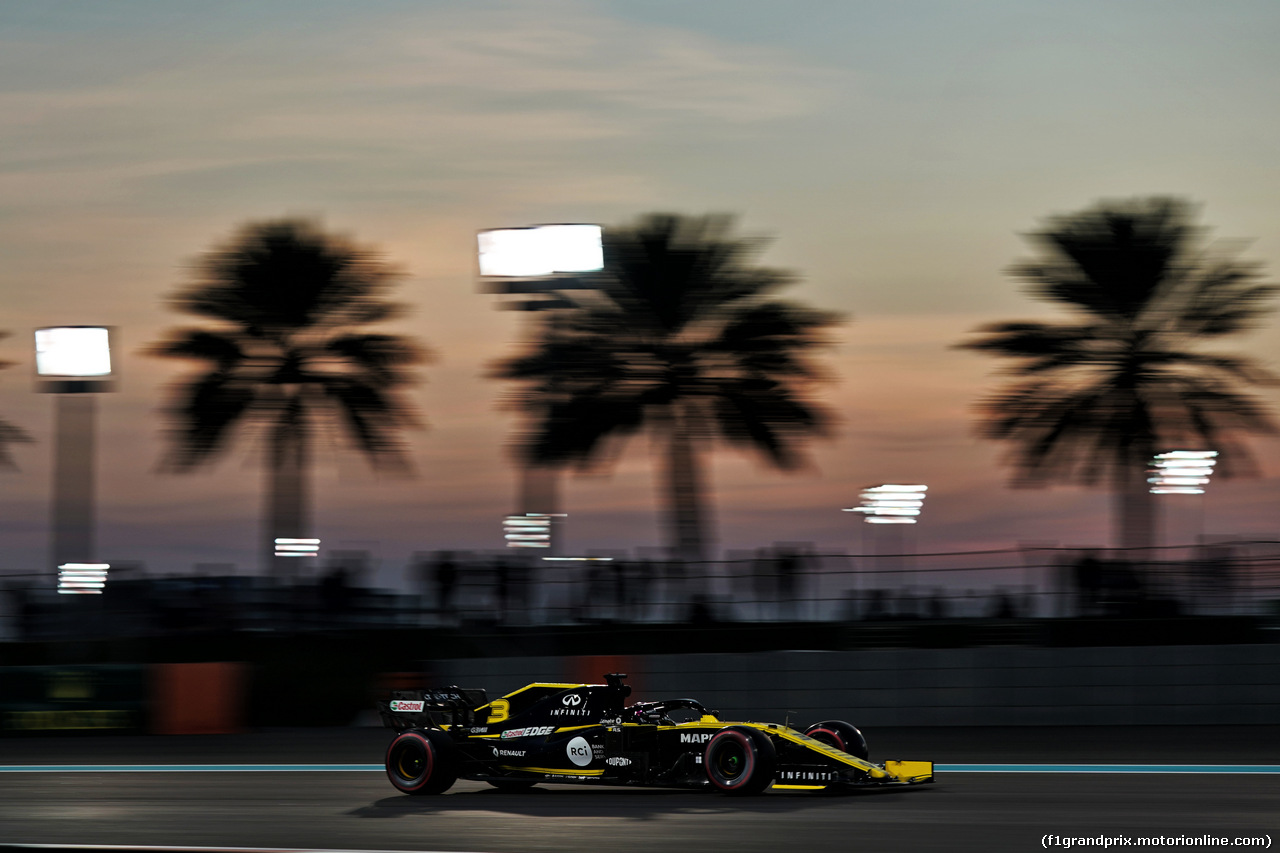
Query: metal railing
780, 584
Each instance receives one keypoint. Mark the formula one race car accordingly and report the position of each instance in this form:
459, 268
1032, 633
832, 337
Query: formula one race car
585, 733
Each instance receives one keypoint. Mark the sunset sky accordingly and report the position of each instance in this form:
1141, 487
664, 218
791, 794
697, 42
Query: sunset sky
894, 151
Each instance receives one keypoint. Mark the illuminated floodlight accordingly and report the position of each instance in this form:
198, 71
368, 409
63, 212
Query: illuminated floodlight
541, 250
530, 529
82, 578
73, 352
1181, 472
286, 547
891, 503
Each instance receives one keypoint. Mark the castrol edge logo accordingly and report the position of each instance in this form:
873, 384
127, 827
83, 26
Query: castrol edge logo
407, 705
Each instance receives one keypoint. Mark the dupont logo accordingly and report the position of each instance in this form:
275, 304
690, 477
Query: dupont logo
695, 737
413, 706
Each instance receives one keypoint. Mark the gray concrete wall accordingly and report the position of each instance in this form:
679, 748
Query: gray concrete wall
1012, 686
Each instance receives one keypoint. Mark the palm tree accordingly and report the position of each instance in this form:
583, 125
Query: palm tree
288, 357
9, 434
1098, 396
685, 338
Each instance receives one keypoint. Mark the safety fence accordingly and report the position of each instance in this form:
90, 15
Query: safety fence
1069, 687
785, 583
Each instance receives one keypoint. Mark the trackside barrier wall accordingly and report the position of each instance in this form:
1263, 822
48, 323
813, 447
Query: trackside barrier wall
56, 699
197, 698
1005, 686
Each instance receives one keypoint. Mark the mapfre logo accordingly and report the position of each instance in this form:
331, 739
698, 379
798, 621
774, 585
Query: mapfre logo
695, 737
573, 700
407, 705
579, 751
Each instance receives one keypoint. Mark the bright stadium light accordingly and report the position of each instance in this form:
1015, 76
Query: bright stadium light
541, 250
891, 504
1181, 472
288, 547
73, 352
529, 530
82, 578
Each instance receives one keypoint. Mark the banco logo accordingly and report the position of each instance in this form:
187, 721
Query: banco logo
579, 751
573, 699
695, 737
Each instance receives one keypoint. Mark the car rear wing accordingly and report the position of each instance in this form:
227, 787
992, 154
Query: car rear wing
437, 709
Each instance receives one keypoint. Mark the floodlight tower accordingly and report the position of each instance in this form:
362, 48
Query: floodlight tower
534, 264
74, 363
1183, 472
890, 503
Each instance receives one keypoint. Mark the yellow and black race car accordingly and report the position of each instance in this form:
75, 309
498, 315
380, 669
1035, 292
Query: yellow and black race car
586, 734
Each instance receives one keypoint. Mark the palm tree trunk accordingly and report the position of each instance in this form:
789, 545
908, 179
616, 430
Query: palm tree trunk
1135, 511
288, 510
686, 504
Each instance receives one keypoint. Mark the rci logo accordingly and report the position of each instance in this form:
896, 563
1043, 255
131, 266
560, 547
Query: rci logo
579, 751
574, 699
695, 737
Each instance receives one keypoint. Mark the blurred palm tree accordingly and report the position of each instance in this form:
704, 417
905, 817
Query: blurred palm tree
9, 434
684, 337
1097, 397
288, 358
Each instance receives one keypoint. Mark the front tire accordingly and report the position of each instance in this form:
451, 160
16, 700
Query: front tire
843, 736
739, 761
422, 762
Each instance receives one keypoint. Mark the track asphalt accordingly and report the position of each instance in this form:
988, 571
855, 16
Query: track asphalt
358, 810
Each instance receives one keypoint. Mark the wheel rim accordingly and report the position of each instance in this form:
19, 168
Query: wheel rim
409, 760
730, 761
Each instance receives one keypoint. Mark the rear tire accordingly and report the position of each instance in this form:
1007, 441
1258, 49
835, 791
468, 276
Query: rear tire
843, 736
422, 762
739, 760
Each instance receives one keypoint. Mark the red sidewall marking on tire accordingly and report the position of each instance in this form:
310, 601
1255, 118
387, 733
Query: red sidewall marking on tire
834, 736
748, 747
426, 776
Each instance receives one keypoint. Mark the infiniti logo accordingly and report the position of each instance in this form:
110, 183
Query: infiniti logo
574, 699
